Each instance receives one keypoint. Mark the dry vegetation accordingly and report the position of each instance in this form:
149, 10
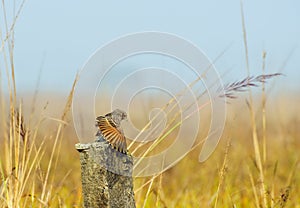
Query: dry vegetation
40, 166
255, 164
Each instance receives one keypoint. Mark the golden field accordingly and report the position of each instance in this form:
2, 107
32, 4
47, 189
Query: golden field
256, 163
40, 167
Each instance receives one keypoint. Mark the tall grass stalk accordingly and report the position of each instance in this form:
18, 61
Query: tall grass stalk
171, 103
263, 100
222, 172
253, 122
21, 163
257, 203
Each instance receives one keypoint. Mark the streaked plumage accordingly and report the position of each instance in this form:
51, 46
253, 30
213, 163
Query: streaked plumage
110, 127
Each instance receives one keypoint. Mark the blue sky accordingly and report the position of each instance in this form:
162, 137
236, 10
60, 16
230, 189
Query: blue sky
60, 36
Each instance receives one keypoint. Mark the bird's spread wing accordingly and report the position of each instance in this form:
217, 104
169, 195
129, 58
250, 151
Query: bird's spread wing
112, 134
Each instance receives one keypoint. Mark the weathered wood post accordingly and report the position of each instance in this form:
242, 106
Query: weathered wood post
106, 176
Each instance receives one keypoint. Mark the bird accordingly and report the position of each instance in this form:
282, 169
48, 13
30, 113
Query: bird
110, 128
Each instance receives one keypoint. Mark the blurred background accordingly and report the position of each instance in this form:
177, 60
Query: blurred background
256, 163
54, 39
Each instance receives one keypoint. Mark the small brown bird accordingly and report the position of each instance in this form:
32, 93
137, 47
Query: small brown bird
110, 128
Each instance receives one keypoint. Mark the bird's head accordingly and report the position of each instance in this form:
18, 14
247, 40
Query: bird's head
117, 116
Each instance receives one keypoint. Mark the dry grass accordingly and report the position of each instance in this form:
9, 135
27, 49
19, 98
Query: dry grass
35, 172
255, 164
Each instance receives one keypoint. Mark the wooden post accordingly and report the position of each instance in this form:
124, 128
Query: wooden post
106, 176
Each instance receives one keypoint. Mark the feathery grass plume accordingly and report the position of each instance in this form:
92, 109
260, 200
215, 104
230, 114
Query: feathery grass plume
284, 196
222, 173
20, 125
230, 89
